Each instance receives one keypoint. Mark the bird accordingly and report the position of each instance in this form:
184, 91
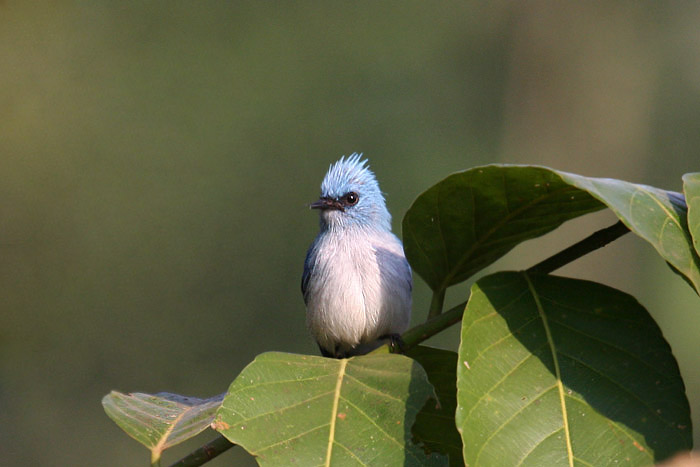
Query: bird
356, 282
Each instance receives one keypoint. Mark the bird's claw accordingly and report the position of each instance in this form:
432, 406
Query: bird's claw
396, 344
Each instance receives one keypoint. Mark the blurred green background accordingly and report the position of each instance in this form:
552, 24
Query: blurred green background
157, 159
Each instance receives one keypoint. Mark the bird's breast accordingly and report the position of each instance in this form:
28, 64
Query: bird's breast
350, 298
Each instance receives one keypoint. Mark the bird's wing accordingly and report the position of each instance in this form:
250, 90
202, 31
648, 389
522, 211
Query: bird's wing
392, 257
409, 276
307, 273
406, 273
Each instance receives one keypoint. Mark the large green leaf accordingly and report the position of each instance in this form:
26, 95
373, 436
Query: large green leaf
658, 216
435, 424
472, 218
159, 421
691, 189
295, 409
556, 371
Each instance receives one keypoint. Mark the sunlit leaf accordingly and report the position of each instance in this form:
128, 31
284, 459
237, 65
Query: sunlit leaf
294, 409
435, 424
159, 421
557, 371
691, 189
657, 216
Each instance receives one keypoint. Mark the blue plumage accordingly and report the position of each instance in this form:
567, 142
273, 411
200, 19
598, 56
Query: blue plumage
356, 282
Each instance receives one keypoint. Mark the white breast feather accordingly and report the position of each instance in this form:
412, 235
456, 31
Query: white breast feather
356, 303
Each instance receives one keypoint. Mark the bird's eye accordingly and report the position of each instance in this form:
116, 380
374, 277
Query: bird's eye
350, 199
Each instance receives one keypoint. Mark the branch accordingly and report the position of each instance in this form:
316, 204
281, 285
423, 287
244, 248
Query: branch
418, 334
436, 324
591, 243
205, 453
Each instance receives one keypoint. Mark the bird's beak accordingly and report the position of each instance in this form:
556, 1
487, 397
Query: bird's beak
327, 203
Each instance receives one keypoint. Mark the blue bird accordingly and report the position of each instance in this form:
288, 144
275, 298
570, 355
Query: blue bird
356, 282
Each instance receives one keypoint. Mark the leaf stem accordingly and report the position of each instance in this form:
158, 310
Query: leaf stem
436, 303
205, 453
591, 243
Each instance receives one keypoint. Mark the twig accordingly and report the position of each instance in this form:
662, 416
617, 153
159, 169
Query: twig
418, 334
591, 243
436, 324
205, 453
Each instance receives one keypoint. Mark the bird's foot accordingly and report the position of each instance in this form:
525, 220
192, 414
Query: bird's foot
396, 344
329, 354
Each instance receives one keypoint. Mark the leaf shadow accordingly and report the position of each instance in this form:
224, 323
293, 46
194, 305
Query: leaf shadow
608, 354
435, 429
416, 453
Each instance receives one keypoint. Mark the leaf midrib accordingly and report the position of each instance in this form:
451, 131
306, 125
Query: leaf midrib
557, 371
334, 411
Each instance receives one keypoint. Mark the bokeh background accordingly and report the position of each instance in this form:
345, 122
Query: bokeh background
157, 160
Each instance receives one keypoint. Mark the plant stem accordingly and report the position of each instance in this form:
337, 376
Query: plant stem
591, 243
205, 453
436, 304
155, 458
439, 322
418, 334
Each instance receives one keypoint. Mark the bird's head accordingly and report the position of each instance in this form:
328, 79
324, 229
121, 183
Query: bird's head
350, 197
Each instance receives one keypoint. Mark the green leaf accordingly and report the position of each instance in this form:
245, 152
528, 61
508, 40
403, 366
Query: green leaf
658, 216
294, 409
472, 218
556, 371
691, 189
435, 424
159, 421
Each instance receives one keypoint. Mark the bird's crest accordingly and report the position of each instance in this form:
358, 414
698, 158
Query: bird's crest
350, 171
